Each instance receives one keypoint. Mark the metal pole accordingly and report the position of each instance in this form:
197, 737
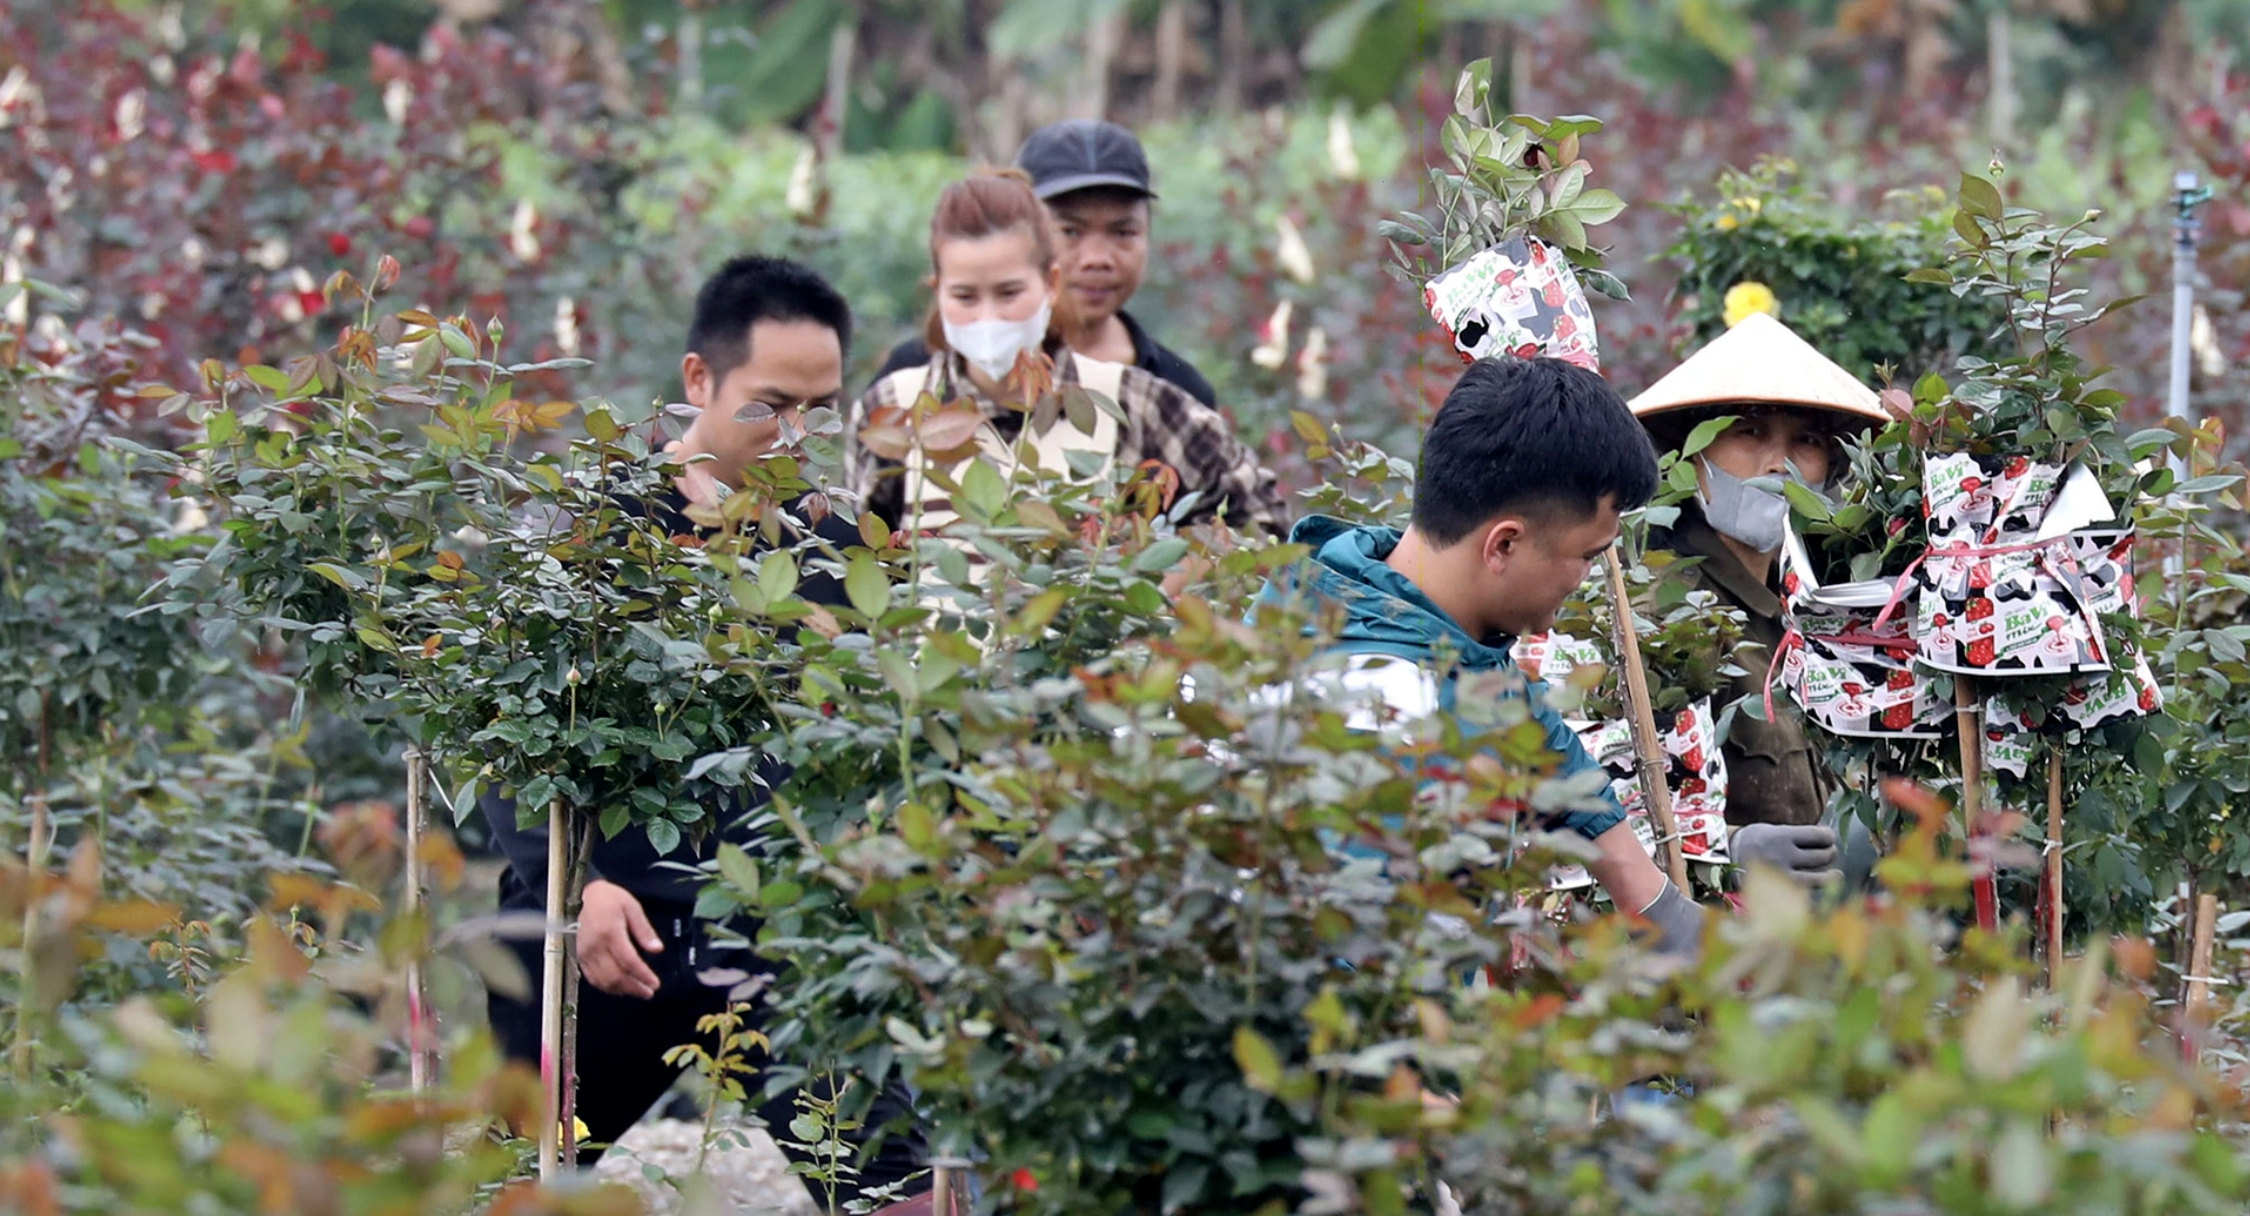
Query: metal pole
2186, 193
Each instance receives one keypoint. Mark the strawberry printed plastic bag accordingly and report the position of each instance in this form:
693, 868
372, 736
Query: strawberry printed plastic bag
1846, 664
2015, 582
1519, 297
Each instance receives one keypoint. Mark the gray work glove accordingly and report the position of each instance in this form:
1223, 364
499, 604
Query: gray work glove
1807, 853
1678, 921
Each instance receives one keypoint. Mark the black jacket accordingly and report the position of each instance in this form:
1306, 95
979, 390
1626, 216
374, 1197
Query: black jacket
630, 860
1148, 355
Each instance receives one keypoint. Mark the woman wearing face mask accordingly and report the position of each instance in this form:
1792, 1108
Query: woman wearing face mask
996, 274
1791, 406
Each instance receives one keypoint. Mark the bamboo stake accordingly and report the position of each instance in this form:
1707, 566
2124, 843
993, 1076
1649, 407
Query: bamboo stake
2054, 864
1648, 751
575, 892
551, 991
2199, 960
35, 873
419, 1036
1968, 722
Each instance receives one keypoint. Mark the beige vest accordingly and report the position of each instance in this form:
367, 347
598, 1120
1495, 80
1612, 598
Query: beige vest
927, 505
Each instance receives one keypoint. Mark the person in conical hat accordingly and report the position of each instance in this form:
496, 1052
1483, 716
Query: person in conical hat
1792, 407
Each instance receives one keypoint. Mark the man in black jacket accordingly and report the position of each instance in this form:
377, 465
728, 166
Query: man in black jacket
1093, 176
768, 343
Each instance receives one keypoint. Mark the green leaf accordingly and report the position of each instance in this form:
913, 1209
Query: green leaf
1331, 42
220, 425
1598, 206
338, 575
614, 820
663, 836
2209, 484
983, 492
1930, 274
916, 826
1161, 556
867, 586
777, 576
1705, 433
1035, 615
602, 425
1981, 198
272, 378
1804, 502
1260, 1064
737, 868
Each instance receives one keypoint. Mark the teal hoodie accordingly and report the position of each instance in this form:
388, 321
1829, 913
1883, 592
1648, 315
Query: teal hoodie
1385, 613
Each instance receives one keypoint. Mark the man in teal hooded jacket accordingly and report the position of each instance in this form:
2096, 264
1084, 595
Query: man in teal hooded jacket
1523, 475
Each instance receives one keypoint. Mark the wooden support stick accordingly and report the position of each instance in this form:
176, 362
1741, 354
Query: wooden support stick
2054, 863
1648, 748
420, 1039
2199, 960
1968, 722
574, 892
551, 992
35, 873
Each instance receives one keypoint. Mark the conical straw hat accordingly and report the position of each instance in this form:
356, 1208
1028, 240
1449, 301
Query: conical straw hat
1760, 360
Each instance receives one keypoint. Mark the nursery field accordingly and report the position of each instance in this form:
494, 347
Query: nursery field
340, 363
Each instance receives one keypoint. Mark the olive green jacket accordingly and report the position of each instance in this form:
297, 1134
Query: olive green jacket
1774, 772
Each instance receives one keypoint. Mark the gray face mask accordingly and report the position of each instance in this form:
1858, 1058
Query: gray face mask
1753, 515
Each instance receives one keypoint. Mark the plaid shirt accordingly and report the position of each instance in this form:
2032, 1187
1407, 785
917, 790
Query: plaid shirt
1162, 423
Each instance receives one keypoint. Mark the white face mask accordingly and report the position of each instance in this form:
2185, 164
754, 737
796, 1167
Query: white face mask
993, 345
1733, 507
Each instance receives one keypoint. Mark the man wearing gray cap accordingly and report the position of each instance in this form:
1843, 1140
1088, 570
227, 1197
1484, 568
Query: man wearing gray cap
1093, 176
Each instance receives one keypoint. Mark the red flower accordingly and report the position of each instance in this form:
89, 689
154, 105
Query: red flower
339, 244
420, 227
217, 160
1023, 1180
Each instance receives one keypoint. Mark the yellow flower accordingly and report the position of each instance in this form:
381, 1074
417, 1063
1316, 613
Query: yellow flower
1726, 222
1744, 299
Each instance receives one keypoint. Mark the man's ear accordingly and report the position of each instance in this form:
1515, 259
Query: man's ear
696, 380
1503, 539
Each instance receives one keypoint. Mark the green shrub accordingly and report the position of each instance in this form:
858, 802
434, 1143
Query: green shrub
1839, 280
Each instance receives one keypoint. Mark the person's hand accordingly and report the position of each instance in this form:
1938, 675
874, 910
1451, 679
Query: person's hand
1806, 853
613, 932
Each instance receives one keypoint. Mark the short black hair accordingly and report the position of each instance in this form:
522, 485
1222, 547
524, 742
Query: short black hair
756, 288
1531, 435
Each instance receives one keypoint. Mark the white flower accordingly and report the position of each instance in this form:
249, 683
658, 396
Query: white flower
15, 88
272, 254
192, 252
523, 239
1312, 366
566, 326
1274, 351
397, 97
1343, 153
799, 198
152, 304
132, 110
1295, 258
